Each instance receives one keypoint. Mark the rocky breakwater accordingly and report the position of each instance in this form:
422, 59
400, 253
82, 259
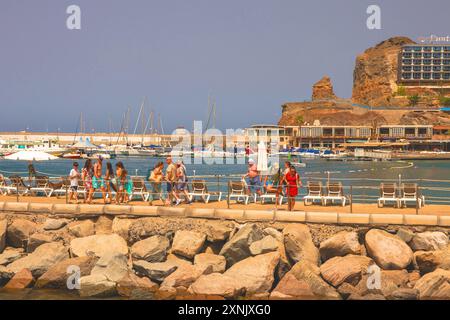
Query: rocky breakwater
175, 258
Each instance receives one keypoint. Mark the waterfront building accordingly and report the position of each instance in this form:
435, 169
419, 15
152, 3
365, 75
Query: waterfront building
424, 65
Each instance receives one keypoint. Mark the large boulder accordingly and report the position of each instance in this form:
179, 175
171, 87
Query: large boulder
133, 287
97, 285
103, 225
37, 239
184, 276
157, 271
98, 245
238, 247
218, 230
428, 261
299, 245
121, 227
340, 245
5, 275
54, 224
265, 245
427, 241
81, 229
21, 280
274, 233
256, 274
57, 276
349, 269
153, 249
114, 266
188, 243
10, 255
434, 285
388, 251
303, 281
3, 228
217, 262
388, 282
217, 284
19, 232
44, 257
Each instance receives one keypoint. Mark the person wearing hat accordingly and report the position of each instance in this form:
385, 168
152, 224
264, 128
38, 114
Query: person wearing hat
74, 176
253, 176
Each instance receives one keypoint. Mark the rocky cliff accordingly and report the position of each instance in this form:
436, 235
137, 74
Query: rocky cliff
323, 90
375, 74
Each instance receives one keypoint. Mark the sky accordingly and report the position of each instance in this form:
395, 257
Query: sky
251, 56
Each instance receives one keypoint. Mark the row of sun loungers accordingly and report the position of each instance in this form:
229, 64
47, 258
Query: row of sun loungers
238, 191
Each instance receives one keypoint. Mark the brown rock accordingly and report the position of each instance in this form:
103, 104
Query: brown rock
388, 251
217, 284
216, 262
3, 229
299, 245
187, 243
82, 229
19, 231
133, 287
5, 275
340, 245
323, 89
36, 239
10, 255
97, 285
38, 262
238, 247
434, 285
256, 274
405, 294
55, 224
428, 241
428, 261
56, 276
303, 281
157, 271
153, 249
103, 225
98, 245
121, 227
349, 269
265, 245
184, 276
21, 280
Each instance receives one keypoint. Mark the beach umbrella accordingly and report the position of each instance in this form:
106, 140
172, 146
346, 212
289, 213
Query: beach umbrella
84, 144
31, 156
262, 162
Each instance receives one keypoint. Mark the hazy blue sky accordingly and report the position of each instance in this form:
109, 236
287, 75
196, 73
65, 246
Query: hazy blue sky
251, 55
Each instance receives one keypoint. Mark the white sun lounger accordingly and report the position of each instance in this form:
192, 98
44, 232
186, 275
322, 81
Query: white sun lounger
388, 193
334, 193
315, 192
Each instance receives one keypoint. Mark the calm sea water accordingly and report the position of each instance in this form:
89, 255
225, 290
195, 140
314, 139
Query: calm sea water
433, 177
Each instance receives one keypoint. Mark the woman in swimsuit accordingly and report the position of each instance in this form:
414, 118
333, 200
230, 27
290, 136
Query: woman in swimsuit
293, 182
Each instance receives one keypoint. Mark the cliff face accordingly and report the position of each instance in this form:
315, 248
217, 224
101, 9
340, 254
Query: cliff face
375, 74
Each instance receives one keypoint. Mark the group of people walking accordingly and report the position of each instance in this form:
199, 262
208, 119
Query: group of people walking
92, 178
284, 182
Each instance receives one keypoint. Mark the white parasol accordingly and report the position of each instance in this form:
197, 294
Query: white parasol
262, 158
30, 156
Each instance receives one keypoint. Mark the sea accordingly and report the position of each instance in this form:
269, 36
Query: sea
361, 178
